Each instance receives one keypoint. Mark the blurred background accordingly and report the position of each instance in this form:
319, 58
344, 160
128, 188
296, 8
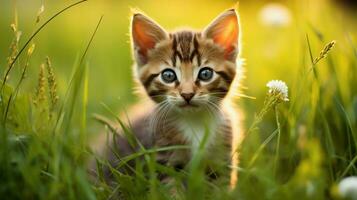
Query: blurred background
273, 40
305, 158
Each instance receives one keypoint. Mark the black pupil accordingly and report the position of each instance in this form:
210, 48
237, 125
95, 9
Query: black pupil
168, 75
205, 74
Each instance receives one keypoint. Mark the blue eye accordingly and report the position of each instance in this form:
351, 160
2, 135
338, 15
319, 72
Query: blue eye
168, 75
205, 74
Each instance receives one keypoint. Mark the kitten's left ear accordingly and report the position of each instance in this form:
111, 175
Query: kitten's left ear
224, 31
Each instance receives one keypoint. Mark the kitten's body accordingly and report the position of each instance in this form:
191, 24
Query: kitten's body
223, 136
190, 79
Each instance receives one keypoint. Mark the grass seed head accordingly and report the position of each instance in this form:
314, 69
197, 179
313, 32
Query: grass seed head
52, 84
13, 27
40, 94
39, 13
325, 51
31, 49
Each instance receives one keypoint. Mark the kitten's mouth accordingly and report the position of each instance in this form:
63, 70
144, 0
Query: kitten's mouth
188, 105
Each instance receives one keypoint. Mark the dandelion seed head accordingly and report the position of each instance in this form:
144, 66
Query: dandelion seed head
275, 15
278, 87
348, 187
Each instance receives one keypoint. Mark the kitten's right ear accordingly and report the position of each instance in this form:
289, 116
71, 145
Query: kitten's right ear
145, 34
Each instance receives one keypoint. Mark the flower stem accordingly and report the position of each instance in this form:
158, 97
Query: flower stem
278, 139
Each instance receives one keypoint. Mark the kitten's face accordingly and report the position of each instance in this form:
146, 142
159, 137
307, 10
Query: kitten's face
186, 69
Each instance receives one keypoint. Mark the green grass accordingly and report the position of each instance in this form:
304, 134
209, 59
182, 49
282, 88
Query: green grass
299, 149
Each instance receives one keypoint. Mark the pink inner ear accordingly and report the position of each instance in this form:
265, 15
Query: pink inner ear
227, 34
142, 37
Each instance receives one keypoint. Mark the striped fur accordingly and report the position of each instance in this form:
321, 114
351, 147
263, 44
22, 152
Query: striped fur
186, 51
172, 119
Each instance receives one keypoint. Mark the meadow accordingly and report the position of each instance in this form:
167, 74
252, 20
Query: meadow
62, 62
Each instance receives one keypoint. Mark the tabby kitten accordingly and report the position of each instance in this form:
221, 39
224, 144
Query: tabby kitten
190, 78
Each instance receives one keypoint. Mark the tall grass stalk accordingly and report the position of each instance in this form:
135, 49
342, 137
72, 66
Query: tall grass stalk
11, 64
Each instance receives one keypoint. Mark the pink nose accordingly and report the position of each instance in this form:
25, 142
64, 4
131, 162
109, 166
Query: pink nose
187, 96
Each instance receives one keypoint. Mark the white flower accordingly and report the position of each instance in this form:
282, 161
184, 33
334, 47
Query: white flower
348, 187
278, 87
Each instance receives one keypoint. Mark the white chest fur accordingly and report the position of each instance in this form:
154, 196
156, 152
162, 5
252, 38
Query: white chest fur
198, 129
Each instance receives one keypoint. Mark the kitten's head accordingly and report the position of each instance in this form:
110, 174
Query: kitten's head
186, 69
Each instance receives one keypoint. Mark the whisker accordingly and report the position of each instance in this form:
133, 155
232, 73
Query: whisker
157, 113
235, 94
207, 107
246, 96
216, 107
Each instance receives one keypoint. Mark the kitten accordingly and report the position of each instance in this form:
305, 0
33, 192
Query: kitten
190, 78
